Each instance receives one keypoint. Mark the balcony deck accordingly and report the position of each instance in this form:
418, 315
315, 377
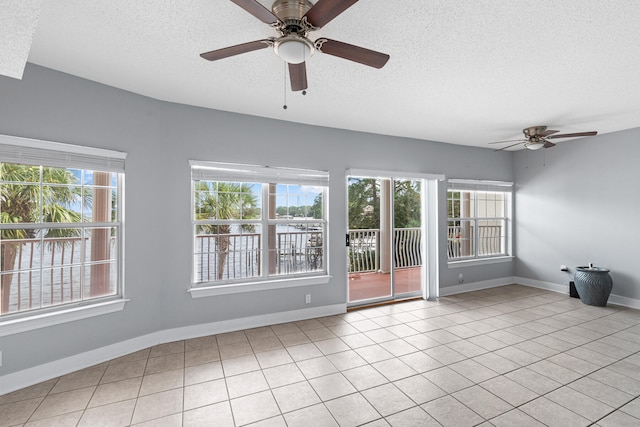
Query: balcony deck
371, 285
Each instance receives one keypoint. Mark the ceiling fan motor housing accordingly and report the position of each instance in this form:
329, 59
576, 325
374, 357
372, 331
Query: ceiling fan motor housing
533, 131
291, 9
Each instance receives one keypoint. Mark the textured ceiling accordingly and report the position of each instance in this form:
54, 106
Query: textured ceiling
18, 20
464, 72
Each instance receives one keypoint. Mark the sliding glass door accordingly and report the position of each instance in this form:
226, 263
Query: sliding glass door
385, 238
407, 237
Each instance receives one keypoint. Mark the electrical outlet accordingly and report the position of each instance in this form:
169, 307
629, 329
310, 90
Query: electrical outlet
460, 278
563, 268
307, 299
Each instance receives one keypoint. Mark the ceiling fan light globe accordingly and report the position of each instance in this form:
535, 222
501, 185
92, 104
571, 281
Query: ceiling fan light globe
293, 50
534, 145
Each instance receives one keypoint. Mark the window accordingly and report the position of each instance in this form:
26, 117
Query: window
60, 226
478, 219
256, 224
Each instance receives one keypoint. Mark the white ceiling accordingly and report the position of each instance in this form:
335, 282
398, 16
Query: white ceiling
17, 25
463, 72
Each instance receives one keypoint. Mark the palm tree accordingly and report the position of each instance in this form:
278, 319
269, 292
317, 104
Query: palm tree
223, 201
20, 196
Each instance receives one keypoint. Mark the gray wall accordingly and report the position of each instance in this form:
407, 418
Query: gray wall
578, 203
160, 138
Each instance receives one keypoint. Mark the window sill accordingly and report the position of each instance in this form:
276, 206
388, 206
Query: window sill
479, 261
43, 320
236, 288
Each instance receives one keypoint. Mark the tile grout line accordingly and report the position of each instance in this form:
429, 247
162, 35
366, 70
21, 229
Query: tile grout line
402, 338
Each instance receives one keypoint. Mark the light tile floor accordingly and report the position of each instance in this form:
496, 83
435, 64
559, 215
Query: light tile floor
509, 356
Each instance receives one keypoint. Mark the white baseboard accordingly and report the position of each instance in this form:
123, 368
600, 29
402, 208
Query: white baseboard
503, 281
549, 286
47, 371
564, 288
476, 286
624, 301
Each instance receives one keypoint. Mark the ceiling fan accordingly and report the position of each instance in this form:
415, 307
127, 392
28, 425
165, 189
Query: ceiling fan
294, 20
537, 137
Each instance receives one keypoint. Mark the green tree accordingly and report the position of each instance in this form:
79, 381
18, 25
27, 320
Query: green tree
453, 205
224, 201
364, 203
20, 196
406, 207
453, 208
316, 209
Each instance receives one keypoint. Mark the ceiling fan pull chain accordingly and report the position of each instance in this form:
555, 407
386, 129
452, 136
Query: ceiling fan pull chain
284, 86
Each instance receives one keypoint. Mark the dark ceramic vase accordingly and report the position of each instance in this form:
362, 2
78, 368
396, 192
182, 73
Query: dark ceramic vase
593, 284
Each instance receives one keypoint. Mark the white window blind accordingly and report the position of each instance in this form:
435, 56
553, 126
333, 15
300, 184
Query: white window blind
54, 154
478, 185
231, 172
393, 174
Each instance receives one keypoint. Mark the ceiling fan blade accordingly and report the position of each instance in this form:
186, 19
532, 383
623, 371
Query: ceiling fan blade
325, 11
352, 53
257, 10
548, 132
226, 52
509, 146
573, 135
298, 76
548, 144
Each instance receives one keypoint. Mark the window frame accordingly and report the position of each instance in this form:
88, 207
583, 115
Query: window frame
476, 187
263, 176
25, 151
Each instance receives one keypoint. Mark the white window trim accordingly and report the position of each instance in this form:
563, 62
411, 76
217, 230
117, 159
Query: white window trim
494, 186
215, 171
254, 286
43, 320
14, 149
479, 261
